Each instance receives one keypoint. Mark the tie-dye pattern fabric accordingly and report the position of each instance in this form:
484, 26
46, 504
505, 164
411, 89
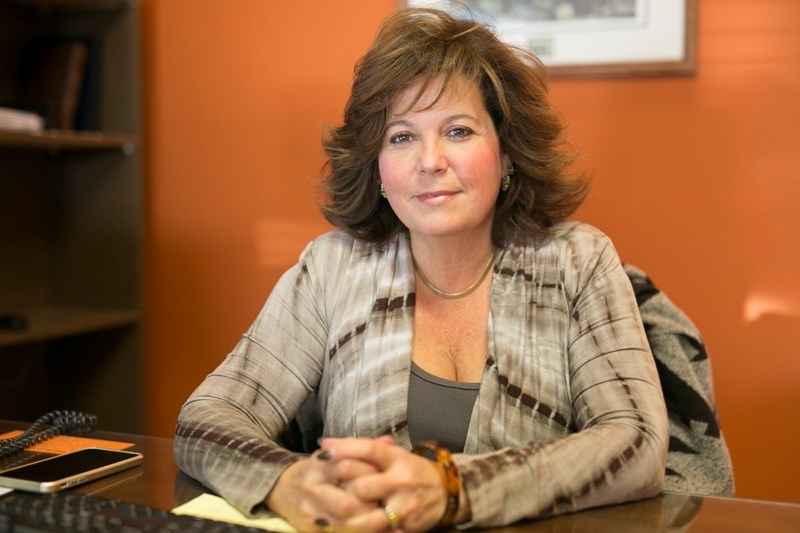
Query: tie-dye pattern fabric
569, 414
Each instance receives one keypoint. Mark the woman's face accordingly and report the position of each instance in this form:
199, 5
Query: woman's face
441, 165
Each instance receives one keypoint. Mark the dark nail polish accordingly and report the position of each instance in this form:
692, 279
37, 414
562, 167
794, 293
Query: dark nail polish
321, 522
324, 455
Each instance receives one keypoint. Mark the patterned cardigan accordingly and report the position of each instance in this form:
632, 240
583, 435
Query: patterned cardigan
569, 414
698, 461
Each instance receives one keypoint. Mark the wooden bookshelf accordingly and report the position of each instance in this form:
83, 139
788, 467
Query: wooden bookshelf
71, 212
48, 322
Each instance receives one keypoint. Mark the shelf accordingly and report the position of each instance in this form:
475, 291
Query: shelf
77, 5
54, 322
56, 140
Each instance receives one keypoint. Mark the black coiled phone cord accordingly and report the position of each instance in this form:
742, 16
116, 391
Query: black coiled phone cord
45, 427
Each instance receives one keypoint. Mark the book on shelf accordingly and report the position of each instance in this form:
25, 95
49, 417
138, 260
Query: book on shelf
19, 120
52, 78
87, 116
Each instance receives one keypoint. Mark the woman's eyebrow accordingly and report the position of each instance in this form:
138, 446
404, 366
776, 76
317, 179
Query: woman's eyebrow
447, 120
398, 122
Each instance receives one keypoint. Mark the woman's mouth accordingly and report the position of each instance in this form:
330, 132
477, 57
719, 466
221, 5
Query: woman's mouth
435, 197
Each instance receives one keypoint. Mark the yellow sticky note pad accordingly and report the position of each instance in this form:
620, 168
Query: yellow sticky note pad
215, 508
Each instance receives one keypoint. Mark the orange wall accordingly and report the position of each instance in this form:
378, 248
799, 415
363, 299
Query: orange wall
695, 178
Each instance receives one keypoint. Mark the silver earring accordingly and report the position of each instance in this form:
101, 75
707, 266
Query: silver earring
382, 191
505, 181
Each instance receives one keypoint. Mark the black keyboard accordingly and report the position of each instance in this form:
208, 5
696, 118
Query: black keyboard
25, 512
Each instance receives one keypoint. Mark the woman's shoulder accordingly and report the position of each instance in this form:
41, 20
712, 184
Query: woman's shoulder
335, 239
577, 230
571, 234
329, 249
569, 256
338, 246
585, 243
568, 245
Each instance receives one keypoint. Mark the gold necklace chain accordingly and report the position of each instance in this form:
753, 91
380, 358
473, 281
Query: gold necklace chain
457, 294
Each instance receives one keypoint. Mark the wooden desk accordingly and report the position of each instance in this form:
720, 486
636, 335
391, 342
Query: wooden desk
159, 483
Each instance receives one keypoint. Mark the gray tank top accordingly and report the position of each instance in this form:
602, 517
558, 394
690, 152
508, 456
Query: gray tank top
439, 409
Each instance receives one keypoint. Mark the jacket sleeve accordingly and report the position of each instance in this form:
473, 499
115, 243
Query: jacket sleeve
617, 449
227, 431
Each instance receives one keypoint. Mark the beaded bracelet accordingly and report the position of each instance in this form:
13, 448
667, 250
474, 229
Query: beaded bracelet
436, 452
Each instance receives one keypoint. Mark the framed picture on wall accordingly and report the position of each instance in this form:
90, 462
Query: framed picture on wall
577, 38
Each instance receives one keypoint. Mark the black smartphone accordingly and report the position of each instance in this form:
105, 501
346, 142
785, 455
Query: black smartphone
68, 470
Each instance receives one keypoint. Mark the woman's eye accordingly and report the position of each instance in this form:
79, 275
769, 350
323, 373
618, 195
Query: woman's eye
399, 138
459, 132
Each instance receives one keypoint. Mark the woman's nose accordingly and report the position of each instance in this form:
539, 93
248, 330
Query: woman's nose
432, 160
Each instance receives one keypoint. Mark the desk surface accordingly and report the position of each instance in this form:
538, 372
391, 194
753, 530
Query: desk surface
159, 483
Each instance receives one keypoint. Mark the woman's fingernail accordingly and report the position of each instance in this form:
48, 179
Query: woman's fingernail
324, 525
325, 455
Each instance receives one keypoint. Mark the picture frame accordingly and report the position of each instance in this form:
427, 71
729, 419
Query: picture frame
593, 38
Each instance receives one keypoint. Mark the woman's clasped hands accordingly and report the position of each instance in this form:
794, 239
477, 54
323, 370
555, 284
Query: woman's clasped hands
361, 484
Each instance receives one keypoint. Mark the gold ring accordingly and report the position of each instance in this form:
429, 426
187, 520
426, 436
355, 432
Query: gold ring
394, 518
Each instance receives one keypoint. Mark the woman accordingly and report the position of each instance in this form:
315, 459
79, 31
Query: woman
454, 302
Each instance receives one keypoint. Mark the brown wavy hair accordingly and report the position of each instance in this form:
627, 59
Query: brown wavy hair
424, 44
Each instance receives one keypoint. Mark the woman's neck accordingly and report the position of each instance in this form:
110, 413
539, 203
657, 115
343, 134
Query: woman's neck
449, 265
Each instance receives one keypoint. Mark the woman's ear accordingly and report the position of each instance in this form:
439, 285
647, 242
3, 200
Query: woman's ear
507, 163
